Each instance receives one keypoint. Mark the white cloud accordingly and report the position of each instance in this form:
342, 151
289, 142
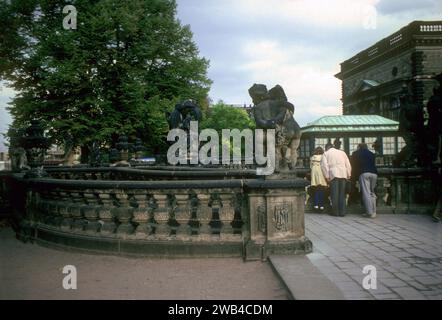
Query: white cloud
296, 43
316, 12
421, 6
314, 90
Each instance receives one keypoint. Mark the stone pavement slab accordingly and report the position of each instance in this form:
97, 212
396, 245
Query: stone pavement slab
303, 280
405, 249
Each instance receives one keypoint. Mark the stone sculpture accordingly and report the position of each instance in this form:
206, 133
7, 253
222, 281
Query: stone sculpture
183, 113
410, 127
18, 159
273, 111
16, 151
434, 109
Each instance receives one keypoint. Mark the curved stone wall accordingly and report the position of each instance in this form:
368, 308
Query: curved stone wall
165, 213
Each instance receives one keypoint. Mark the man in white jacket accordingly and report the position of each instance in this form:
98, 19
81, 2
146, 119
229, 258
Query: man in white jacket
337, 170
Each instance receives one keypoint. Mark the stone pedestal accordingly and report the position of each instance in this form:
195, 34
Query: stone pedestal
276, 219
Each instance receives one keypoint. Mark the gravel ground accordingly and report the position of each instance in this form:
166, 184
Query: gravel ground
29, 271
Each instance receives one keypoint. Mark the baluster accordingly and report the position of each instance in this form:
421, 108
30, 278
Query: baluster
161, 215
46, 203
106, 213
388, 194
383, 192
193, 222
216, 205
238, 222
226, 216
151, 207
141, 216
182, 216
124, 214
380, 192
54, 204
204, 215
41, 205
90, 211
172, 206
52, 208
65, 204
76, 210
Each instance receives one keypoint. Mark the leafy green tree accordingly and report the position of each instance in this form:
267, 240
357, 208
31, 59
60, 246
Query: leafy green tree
125, 64
222, 116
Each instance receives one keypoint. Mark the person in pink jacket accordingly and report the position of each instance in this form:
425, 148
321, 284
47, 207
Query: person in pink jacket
337, 170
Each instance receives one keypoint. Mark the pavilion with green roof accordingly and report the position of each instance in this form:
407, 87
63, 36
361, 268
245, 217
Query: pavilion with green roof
351, 130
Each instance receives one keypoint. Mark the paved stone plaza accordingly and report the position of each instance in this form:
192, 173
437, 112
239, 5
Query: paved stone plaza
405, 249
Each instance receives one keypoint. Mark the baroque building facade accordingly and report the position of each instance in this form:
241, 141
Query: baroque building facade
373, 79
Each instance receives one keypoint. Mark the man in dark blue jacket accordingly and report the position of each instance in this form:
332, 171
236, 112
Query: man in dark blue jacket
368, 175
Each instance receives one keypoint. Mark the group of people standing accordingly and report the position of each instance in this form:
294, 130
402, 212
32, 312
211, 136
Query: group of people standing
332, 169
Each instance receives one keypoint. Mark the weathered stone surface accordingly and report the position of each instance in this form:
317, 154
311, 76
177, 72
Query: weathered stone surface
253, 217
303, 280
273, 111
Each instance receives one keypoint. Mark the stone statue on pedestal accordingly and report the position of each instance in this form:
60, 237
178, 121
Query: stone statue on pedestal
18, 159
434, 109
273, 111
411, 128
183, 113
16, 151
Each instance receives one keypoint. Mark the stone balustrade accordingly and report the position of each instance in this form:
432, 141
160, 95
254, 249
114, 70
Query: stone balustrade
398, 190
219, 215
186, 212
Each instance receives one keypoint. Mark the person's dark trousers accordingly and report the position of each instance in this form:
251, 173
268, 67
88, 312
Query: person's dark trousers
337, 195
319, 196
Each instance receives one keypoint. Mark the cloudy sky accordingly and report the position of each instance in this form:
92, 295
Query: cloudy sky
295, 43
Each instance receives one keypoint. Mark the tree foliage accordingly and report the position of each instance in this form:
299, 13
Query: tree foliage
222, 116
117, 73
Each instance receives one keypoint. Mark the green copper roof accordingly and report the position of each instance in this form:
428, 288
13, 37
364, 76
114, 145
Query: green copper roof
351, 123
